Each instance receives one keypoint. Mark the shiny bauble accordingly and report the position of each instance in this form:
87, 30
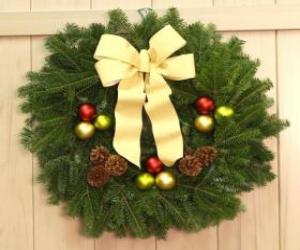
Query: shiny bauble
87, 112
204, 123
165, 180
84, 130
224, 112
102, 122
204, 105
144, 181
154, 165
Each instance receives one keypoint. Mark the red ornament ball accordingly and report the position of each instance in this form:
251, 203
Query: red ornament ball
87, 112
154, 165
204, 105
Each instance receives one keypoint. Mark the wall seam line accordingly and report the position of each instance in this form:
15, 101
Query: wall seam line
278, 142
32, 158
32, 165
218, 237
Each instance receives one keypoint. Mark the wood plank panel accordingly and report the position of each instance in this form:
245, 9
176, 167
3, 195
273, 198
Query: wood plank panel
181, 4
60, 4
230, 18
177, 240
15, 5
288, 1
16, 210
288, 92
52, 227
241, 233
258, 228
114, 4
108, 241
244, 3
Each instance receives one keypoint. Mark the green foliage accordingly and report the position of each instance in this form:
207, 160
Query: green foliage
224, 72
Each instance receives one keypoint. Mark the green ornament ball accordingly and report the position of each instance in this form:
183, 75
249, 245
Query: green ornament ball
144, 181
224, 112
102, 122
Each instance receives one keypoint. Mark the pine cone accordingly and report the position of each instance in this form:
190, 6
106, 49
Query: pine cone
190, 165
116, 165
97, 176
99, 155
206, 155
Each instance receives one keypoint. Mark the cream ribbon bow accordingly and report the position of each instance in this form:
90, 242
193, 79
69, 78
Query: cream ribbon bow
141, 84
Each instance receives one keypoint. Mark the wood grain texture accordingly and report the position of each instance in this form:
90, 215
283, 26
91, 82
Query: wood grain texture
230, 18
272, 220
60, 4
181, 4
229, 235
289, 87
176, 240
16, 212
113, 4
288, 1
288, 74
15, 164
258, 228
52, 228
15, 5
108, 241
244, 3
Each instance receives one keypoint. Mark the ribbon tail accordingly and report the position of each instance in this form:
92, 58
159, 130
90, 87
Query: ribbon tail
165, 123
128, 118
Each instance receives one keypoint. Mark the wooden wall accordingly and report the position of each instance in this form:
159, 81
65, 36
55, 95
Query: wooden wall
272, 221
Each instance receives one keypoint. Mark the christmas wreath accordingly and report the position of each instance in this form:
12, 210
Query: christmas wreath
139, 128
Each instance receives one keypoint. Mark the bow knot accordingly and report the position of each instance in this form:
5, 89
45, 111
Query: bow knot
144, 61
142, 84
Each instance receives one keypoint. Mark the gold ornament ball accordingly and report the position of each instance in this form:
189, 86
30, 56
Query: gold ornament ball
102, 122
165, 180
204, 123
144, 181
84, 130
224, 112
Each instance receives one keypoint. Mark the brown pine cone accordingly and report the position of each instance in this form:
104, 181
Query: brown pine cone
99, 155
206, 155
116, 165
97, 176
190, 165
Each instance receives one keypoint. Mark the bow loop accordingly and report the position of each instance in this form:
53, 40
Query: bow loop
164, 43
112, 71
142, 84
172, 67
118, 48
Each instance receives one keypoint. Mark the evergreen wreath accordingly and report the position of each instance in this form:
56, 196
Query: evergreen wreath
217, 165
